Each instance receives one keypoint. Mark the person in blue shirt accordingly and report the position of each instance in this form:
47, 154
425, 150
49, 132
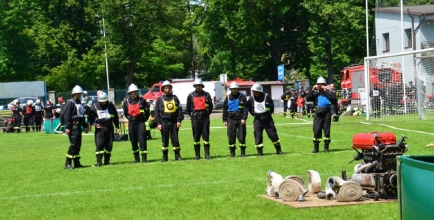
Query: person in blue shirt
322, 119
234, 116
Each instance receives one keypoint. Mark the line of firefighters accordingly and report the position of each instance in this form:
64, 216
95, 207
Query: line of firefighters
168, 115
32, 115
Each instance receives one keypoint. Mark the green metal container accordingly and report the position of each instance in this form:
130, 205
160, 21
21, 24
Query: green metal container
415, 187
51, 125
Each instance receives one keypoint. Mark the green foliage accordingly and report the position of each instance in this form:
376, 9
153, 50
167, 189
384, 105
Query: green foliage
35, 185
63, 42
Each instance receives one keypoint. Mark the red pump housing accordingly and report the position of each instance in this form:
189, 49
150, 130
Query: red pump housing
366, 141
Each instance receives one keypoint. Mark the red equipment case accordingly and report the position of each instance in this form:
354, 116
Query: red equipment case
365, 141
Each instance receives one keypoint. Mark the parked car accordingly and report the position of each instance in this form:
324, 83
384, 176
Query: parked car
23, 101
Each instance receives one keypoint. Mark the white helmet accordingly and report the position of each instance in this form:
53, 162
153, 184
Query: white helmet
198, 81
38, 101
85, 92
257, 87
131, 88
15, 101
102, 97
165, 83
321, 80
76, 89
29, 102
234, 85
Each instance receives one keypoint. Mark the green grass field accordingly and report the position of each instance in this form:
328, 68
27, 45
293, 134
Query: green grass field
34, 184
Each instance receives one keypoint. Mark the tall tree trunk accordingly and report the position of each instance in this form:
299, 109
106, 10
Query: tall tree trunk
275, 56
328, 50
233, 61
130, 73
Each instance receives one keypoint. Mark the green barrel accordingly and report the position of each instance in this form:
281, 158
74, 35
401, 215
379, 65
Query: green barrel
51, 125
416, 187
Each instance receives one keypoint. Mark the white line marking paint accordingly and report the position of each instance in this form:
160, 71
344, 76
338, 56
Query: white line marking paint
403, 129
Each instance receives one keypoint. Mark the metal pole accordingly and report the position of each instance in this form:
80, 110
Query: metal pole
367, 29
106, 60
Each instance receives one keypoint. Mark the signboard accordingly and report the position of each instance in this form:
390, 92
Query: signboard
280, 72
22, 89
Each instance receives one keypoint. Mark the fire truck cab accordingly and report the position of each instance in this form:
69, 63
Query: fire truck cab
353, 78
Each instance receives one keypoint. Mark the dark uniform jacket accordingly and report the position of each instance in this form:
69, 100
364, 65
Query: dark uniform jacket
101, 118
74, 114
190, 104
242, 112
316, 93
144, 109
159, 113
285, 96
269, 105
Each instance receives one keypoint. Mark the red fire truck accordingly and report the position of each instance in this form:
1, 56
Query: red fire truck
353, 78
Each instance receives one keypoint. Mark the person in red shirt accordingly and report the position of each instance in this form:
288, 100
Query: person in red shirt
300, 104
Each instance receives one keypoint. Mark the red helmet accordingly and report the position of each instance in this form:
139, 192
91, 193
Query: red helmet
60, 100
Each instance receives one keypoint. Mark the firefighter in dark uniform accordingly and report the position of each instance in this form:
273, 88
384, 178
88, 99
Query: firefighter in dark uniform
39, 110
199, 107
168, 115
322, 119
136, 110
62, 112
150, 123
235, 115
103, 115
285, 97
293, 98
309, 103
48, 111
74, 120
28, 112
375, 101
17, 115
261, 106
334, 104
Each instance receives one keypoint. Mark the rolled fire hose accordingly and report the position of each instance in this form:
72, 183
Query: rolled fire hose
297, 179
332, 186
274, 180
313, 181
290, 190
349, 191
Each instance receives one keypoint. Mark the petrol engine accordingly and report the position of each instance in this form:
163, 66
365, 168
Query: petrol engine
377, 172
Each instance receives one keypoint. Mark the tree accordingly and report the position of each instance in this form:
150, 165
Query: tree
336, 35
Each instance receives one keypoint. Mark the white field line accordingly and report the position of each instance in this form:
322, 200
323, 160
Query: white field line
403, 129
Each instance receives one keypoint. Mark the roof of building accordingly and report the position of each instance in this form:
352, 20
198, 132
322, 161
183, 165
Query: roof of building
411, 10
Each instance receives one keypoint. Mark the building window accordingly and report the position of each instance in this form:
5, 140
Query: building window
386, 42
408, 38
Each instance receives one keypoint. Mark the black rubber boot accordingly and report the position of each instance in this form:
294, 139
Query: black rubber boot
68, 163
98, 160
178, 155
278, 149
144, 158
197, 151
136, 158
165, 156
107, 159
326, 146
232, 149
148, 135
315, 147
259, 149
206, 147
243, 151
77, 163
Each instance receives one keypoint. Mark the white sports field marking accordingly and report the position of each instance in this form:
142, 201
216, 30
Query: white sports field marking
365, 123
403, 129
